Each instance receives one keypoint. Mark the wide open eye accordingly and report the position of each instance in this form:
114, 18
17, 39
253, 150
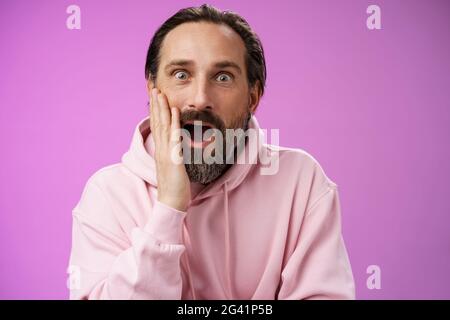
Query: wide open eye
181, 75
224, 77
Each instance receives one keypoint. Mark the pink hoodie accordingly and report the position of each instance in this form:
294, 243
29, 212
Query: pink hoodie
244, 236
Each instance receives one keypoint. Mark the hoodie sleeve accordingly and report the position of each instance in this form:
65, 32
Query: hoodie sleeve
107, 264
319, 267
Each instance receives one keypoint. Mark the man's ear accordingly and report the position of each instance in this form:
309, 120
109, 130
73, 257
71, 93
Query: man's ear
255, 96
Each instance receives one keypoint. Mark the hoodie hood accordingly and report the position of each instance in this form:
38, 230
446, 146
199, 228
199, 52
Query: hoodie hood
140, 161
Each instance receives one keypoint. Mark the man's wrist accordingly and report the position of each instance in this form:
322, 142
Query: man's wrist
173, 203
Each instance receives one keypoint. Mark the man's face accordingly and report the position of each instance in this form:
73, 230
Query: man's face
202, 72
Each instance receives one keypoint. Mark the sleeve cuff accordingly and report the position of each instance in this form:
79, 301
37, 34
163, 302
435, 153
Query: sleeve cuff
166, 223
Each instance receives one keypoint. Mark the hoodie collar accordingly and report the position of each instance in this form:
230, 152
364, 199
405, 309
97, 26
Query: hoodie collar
139, 159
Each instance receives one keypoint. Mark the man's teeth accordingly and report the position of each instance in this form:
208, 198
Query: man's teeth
208, 134
199, 131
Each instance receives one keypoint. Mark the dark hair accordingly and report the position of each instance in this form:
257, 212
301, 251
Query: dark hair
254, 60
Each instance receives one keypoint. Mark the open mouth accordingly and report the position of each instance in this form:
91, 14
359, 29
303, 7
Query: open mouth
197, 130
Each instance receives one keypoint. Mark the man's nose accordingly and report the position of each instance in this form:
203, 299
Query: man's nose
201, 96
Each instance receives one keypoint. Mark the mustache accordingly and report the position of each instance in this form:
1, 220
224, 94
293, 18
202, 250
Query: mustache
205, 116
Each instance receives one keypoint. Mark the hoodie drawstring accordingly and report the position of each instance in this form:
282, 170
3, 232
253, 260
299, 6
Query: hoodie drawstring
191, 283
227, 243
227, 250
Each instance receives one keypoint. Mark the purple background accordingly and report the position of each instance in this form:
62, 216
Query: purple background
371, 106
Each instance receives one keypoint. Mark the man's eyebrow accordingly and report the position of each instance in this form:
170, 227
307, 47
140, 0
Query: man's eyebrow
220, 64
178, 63
227, 63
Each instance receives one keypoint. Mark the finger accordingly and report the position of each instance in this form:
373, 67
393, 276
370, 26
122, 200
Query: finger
155, 113
175, 125
175, 118
155, 103
164, 111
150, 106
175, 134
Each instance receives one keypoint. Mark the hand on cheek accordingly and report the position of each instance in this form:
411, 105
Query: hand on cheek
173, 181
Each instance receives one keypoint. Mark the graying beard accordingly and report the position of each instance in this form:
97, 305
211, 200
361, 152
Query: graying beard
205, 173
